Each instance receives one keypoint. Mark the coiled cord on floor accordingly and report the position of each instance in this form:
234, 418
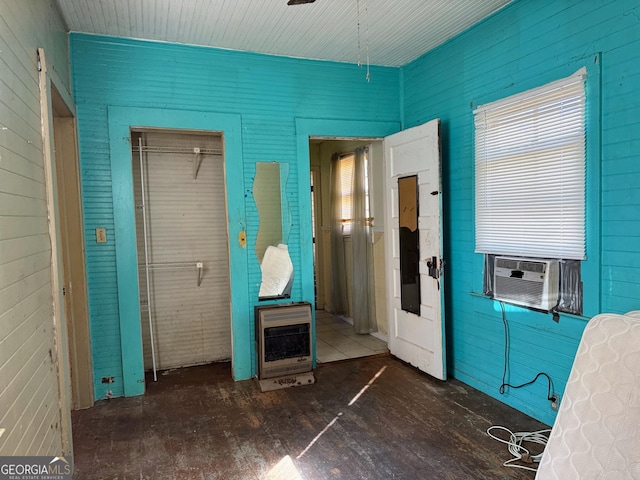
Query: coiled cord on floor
516, 449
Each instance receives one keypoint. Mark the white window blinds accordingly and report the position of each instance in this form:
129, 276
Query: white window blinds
530, 172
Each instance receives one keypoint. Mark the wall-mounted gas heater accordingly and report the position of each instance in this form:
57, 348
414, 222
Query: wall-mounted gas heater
526, 281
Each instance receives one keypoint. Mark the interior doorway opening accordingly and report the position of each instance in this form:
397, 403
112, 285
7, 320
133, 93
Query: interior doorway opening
72, 250
336, 337
182, 246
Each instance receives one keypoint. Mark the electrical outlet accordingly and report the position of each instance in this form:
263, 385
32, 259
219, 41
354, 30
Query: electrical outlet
101, 235
555, 401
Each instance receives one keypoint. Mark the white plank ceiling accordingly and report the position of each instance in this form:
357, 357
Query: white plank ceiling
392, 32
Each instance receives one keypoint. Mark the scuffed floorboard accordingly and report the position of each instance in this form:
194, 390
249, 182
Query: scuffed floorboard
196, 423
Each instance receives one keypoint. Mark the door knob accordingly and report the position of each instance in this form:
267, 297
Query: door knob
432, 265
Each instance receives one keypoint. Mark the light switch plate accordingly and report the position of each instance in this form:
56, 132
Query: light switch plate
101, 235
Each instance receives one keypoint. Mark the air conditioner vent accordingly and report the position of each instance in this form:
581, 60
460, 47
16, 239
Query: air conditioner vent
528, 282
536, 267
506, 263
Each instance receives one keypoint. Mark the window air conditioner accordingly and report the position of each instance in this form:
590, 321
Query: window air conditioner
527, 282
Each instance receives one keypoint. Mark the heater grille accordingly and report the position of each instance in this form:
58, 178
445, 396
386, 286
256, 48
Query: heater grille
286, 342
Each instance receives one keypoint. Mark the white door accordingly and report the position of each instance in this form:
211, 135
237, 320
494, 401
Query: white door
416, 338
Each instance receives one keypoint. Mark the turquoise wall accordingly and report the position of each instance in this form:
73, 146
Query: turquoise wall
525, 45
280, 101
266, 107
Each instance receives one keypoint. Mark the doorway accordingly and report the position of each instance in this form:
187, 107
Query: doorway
74, 283
182, 246
336, 338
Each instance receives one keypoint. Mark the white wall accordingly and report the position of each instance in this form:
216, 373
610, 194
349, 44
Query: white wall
30, 402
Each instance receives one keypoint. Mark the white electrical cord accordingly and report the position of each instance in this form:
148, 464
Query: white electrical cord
516, 449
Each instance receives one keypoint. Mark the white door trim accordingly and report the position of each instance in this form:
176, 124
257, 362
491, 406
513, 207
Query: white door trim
61, 356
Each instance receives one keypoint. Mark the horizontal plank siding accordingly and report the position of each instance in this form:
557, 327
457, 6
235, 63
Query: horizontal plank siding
29, 390
525, 45
268, 92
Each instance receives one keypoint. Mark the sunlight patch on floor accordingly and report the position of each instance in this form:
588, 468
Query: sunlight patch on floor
364, 389
283, 470
335, 419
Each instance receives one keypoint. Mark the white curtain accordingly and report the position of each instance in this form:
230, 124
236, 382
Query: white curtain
362, 278
339, 301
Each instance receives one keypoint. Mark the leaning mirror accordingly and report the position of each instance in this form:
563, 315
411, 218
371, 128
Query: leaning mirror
273, 230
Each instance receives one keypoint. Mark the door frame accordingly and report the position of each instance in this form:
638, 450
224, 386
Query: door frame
121, 121
60, 355
72, 247
319, 243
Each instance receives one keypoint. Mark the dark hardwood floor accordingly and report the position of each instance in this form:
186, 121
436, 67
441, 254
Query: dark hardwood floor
369, 418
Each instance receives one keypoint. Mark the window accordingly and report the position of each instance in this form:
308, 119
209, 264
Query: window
346, 172
530, 172
345, 165
530, 181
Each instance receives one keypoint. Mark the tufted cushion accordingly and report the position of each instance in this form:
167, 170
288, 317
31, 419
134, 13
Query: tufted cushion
596, 434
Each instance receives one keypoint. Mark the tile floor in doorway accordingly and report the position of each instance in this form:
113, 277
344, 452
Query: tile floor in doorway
337, 340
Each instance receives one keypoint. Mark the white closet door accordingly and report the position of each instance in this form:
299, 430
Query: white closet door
186, 223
